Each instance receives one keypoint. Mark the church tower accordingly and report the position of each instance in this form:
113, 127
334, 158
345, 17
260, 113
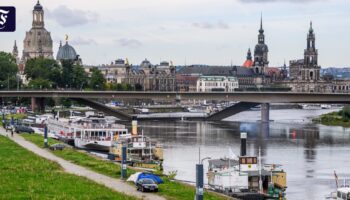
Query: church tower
15, 52
310, 70
38, 42
261, 52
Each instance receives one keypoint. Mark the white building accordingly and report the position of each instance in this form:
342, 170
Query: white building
217, 83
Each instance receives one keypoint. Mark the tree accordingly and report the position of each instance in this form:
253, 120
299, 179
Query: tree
8, 71
40, 83
43, 68
97, 81
138, 87
80, 77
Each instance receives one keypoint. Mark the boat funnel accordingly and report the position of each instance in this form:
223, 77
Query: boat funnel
134, 125
243, 144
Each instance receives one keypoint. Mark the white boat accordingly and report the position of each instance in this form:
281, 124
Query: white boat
311, 106
93, 132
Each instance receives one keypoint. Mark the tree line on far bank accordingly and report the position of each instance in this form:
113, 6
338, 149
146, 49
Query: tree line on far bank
46, 74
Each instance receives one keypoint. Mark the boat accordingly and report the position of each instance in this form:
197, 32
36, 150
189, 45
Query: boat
326, 106
311, 106
246, 177
342, 192
141, 152
92, 132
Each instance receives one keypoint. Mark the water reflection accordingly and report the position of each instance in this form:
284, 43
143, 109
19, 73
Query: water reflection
309, 153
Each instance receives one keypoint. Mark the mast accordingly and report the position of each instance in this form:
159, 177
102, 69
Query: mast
260, 182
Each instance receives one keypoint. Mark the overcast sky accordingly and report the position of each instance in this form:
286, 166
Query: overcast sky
214, 32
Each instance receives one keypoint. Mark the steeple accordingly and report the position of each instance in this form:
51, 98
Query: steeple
261, 37
249, 55
15, 50
311, 30
261, 25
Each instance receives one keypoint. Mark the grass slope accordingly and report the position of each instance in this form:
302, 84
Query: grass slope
170, 189
25, 175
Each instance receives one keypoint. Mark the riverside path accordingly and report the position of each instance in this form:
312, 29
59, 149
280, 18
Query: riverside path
112, 183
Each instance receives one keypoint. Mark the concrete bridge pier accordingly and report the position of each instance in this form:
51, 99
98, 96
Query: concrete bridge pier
265, 119
38, 105
265, 112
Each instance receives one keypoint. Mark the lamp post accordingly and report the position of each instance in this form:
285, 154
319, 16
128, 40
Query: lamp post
200, 178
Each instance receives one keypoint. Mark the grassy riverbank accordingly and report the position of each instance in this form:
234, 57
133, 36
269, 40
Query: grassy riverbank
170, 189
340, 118
25, 175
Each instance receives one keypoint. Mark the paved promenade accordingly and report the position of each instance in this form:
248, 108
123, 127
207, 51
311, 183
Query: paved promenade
112, 183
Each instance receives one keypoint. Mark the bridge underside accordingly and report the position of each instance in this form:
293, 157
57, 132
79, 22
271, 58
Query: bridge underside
232, 110
103, 108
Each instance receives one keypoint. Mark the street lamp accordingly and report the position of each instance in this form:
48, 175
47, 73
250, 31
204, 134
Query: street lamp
200, 179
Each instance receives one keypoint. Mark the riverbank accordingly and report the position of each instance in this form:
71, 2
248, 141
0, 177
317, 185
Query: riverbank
338, 118
170, 189
25, 175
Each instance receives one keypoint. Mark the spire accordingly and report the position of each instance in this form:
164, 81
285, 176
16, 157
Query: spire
261, 24
249, 55
60, 44
311, 30
15, 49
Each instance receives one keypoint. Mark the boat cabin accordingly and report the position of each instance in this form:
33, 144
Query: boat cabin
343, 193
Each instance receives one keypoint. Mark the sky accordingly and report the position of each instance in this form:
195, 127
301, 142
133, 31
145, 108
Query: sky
212, 32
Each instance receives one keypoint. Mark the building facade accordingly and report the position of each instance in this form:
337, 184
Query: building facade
217, 84
304, 74
38, 42
149, 77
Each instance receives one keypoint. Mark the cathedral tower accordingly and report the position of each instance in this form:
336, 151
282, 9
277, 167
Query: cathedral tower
261, 52
38, 42
310, 70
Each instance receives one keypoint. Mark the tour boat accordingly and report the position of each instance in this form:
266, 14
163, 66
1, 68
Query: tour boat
141, 151
246, 176
92, 132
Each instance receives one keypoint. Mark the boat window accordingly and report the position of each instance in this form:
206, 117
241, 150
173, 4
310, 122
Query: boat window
343, 196
339, 194
254, 161
243, 161
249, 160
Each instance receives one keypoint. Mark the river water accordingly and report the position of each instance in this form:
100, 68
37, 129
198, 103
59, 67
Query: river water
308, 152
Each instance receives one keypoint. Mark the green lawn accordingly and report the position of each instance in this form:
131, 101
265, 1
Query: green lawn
24, 175
80, 157
170, 189
333, 119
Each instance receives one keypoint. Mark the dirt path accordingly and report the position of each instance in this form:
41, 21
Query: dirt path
112, 183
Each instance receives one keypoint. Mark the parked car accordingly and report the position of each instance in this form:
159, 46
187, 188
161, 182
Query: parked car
23, 129
146, 184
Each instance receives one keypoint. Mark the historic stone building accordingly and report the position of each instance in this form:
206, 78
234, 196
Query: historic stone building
67, 53
152, 77
260, 52
38, 42
304, 74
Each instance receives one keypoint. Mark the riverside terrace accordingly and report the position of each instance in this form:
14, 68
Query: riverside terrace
254, 97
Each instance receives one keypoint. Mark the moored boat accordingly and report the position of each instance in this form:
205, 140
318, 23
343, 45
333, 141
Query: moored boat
92, 132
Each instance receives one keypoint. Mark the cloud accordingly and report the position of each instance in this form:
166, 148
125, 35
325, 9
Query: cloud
208, 25
71, 17
125, 42
82, 41
277, 1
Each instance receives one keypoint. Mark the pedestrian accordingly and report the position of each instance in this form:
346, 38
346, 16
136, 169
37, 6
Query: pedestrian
12, 130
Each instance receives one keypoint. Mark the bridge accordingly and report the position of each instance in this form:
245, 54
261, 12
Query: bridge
246, 99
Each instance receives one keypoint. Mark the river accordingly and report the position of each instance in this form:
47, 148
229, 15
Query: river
308, 152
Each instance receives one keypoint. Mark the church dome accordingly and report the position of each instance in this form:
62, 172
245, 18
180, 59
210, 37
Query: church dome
66, 52
146, 64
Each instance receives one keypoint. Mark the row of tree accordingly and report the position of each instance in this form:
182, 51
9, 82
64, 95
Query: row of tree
45, 73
